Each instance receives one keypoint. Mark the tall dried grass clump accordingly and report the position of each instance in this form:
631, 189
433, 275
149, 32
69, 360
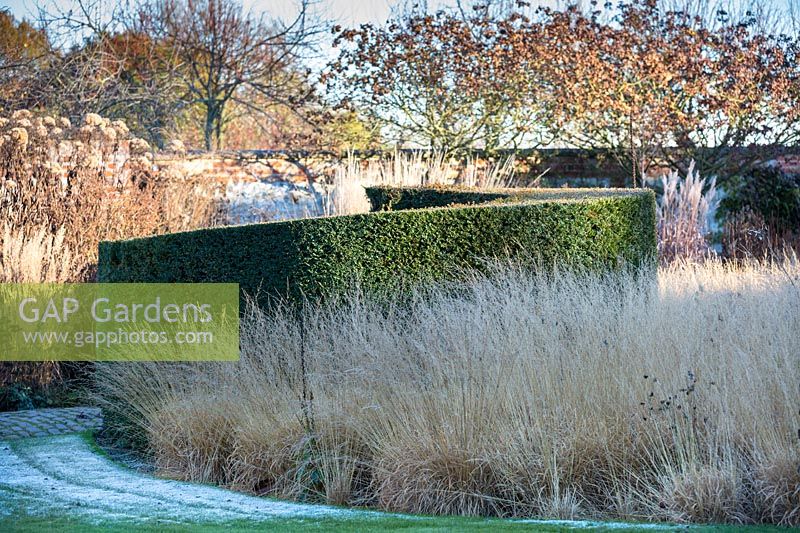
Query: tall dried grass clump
516, 394
684, 211
411, 169
36, 255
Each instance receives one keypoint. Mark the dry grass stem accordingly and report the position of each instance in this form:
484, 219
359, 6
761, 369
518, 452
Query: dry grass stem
568, 395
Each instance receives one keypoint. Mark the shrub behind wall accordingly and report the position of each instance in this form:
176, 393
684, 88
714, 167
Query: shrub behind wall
390, 249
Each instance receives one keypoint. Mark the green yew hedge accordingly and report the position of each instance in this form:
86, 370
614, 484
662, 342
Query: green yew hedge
412, 235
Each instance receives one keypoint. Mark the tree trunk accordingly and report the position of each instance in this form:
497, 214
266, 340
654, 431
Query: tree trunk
208, 130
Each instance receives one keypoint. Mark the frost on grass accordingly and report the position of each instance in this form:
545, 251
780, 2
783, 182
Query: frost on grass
64, 476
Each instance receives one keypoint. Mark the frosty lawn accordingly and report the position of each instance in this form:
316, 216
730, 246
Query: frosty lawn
64, 483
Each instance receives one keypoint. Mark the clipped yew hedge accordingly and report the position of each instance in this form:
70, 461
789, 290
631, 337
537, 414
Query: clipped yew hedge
413, 234
401, 198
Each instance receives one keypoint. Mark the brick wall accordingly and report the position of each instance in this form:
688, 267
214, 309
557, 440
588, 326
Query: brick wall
557, 167
247, 166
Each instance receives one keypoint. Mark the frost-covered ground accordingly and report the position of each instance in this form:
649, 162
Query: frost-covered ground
65, 474
65, 483
261, 201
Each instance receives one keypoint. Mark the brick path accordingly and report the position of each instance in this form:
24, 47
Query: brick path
44, 422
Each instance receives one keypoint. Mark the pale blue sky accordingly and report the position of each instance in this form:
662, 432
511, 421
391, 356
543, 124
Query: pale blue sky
345, 11
348, 13
354, 12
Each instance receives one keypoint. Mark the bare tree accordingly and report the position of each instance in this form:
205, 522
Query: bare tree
101, 62
165, 65
226, 54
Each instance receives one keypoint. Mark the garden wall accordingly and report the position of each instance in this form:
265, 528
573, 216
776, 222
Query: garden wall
561, 166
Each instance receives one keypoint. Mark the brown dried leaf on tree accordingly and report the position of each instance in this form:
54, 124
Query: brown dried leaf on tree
648, 82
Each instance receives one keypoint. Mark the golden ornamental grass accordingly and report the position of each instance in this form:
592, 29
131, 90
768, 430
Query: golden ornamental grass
625, 396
